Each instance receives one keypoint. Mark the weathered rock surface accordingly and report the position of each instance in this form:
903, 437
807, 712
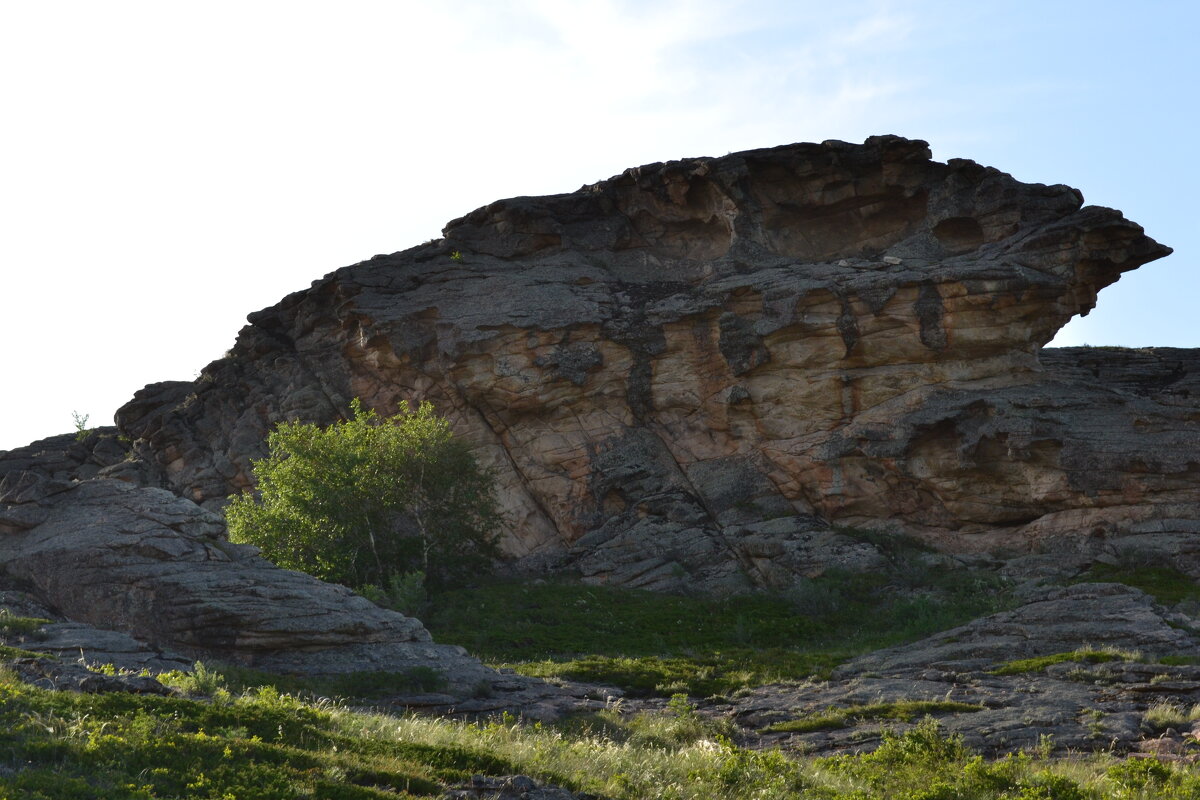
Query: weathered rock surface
144, 563
1073, 705
1085, 615
50, 673
681, 374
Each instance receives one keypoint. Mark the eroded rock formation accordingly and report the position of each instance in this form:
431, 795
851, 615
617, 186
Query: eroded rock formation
684, 373
148, 579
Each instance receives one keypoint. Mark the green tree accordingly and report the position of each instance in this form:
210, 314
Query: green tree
368, 499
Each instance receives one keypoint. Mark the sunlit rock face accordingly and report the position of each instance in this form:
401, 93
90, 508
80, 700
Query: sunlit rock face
682, 375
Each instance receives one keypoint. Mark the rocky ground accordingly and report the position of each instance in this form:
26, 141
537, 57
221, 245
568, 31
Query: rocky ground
1126, 677
1073, 705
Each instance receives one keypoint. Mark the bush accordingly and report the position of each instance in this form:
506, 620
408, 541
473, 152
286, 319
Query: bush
404, 593
369, 499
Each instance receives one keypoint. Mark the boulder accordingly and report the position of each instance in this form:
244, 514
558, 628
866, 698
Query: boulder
138, 576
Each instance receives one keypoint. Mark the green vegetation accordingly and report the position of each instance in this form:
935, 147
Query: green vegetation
259, 743
903, 710
1162, 715
12, 625
82, 431
369, 499
1166, 585
7, 653
1039, 663
207, 682
648, 643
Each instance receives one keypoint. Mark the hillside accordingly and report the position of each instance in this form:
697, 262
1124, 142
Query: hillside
796, 502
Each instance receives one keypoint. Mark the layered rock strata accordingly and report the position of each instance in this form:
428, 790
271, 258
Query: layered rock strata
682, 374
143, 578
1106, 644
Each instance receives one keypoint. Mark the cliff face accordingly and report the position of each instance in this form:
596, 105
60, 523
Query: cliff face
683, 373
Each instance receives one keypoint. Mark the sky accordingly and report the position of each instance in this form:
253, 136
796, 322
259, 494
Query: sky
168, 168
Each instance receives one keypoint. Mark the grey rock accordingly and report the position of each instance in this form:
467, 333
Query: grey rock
1073, 706
49, 673
1086, 615
141, 562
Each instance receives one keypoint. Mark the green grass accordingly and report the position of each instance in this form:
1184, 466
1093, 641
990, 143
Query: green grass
653, 644
715, 673
7, 652
12, 625
902, 710
260, 744
1166, 585
1028, 665
205, 681
1164, 714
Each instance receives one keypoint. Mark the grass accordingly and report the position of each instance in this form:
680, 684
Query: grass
7, 653
1168, 586
652, 644
14, 626
1037, 664
206, 682
902, 710
258, 743
1162, 715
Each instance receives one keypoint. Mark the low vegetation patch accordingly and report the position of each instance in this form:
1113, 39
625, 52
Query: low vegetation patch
902, 710
14, 626
1166, 585
205, 682
1162, 715
260, 744
653, 644
1083, 655
7, 652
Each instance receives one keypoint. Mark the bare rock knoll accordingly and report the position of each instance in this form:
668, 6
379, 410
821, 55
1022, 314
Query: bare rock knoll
684, 373
108, 555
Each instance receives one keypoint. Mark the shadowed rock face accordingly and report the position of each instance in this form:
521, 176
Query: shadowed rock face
681, 374
105, 553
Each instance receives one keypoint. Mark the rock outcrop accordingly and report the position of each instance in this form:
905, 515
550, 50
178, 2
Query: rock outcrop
683, 374
1073, 705
143, 578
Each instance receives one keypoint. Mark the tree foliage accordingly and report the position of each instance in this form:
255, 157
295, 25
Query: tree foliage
370, 498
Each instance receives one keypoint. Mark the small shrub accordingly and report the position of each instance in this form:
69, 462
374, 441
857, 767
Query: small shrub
1138, 773
1048, 786
201, 681
82, 431
368, 499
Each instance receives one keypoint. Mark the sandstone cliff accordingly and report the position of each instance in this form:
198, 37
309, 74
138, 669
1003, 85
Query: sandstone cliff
684, 373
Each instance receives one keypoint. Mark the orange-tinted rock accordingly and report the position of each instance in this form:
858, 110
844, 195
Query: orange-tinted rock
683, 373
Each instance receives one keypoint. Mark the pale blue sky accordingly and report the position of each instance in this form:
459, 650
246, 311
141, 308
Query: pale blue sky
166, 169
